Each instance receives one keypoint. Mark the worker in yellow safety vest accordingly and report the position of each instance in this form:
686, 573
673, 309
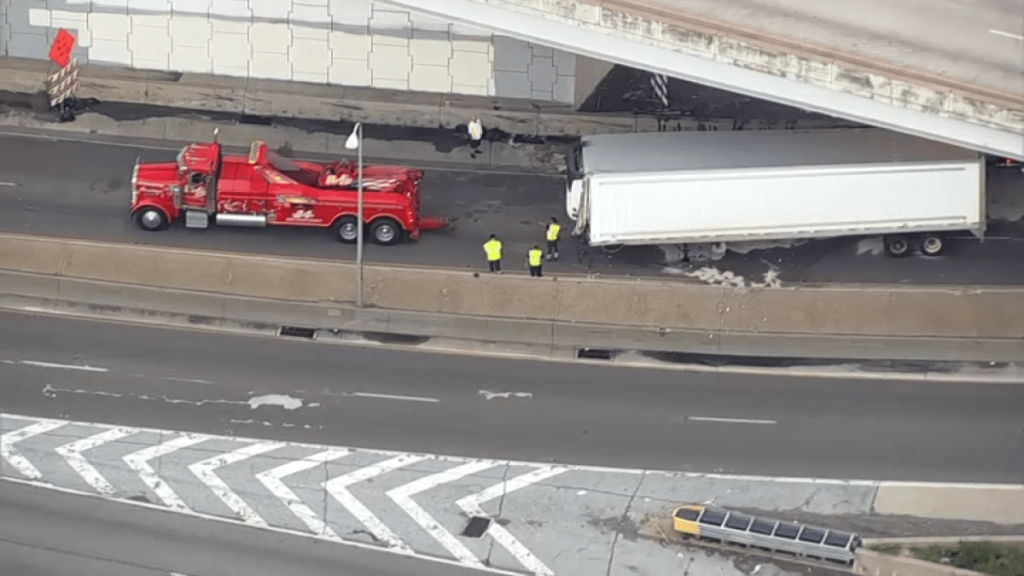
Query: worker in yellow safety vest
552, 234
492, 248
534, 260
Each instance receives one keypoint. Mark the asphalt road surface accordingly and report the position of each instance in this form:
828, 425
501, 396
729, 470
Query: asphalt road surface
490, 408
975, 42
46, 533
81, 190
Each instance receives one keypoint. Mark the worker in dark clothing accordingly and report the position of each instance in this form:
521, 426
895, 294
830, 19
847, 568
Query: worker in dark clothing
534, 260
492, 248
552, 234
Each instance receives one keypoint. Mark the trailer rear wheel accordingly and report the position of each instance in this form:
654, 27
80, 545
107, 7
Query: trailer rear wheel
931, 244
346, 230
897, 246
385, 231
151, 219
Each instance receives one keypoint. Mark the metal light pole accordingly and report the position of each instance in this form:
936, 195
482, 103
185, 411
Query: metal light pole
355, 142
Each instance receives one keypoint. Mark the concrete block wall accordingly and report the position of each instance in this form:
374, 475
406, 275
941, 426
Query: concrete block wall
345, 42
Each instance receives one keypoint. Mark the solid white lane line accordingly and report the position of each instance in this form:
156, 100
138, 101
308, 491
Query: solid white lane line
394, 397
730, 420
139, 461
72, 452
403, 497
56, 366
1007, 34
198, 381
204, 470
11, 454
338, 488
273, 480
488, 395
9, 184
472, 505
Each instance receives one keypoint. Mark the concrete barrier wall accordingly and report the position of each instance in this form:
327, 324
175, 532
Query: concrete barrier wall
1000, 504
647, 303
878, 564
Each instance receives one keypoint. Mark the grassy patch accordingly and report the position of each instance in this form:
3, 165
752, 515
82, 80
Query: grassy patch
891, 549
984, 557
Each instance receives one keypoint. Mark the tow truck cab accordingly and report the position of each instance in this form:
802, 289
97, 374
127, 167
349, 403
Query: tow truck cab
264, 189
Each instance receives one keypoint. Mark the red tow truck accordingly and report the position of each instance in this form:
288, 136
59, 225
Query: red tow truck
265, 189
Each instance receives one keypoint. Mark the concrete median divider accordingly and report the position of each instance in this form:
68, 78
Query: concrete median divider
45, 257
978, 324
872, 563
1001, 504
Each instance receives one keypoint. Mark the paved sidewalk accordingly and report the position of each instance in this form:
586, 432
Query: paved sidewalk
274, 98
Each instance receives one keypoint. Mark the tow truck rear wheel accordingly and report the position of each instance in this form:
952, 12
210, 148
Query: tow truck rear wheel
151, 219
346, 230
385, 231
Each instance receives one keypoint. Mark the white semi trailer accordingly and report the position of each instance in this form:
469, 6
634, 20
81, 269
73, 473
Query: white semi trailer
744, 186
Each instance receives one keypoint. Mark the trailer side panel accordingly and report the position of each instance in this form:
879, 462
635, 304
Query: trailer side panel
785, 202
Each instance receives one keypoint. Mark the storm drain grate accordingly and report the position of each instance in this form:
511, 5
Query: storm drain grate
476, 527
594, 354
297, 332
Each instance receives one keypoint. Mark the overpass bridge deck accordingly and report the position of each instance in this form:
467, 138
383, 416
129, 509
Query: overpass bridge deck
974, 43
948, 70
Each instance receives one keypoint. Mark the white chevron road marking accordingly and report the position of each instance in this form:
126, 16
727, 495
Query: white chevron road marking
11, 454
471, 505
204, 470
72, 452
403, 497
273, 480
139, 462
274, 474
338, 488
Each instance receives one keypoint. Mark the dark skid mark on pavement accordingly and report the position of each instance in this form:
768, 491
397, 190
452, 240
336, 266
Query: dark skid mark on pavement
390, 338
444, 140
900, 366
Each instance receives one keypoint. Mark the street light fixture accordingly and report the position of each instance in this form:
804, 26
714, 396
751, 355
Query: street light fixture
355, 142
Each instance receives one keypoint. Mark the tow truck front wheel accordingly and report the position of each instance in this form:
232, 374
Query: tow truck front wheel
151, 219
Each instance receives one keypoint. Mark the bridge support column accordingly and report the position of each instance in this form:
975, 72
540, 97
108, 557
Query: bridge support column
589, 74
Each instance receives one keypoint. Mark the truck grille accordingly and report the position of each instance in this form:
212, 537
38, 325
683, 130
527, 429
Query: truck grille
135, 180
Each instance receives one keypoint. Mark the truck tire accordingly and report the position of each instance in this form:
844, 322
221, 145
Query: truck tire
931, 244
897, 245
385, 232
151, 219
346, 230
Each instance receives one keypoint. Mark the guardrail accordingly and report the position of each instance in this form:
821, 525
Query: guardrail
804, 540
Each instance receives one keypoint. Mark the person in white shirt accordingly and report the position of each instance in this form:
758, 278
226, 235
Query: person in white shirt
476, 134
